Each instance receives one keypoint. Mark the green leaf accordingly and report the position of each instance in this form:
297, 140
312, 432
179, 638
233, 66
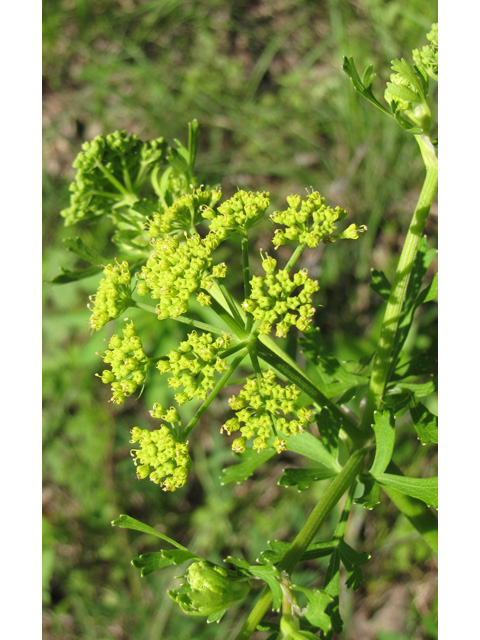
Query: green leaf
278, 548
251, 460
432, 291
408, 72
193, 138
149, 562
306, 444
413, 297
403, 93
78, 247
127, 522
420, 516
238, 562
216, 617
371, 494
74, 276
425, 423
352, 561
420, 389
422, 364
331, 586
425, 489
146, 207
177, 159
303, 478
364, 87
318, 601
384, 428
270, 575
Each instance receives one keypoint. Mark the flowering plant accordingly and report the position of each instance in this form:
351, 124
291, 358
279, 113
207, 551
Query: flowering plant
171, 235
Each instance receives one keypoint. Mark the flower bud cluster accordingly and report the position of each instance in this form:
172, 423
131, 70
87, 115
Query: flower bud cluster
194, 364
406, 94
310, 222
261, 410
241, 211
129, 364
183, 214
271, 300
426, 58
176, 270
161, 456
208, 589
113, 295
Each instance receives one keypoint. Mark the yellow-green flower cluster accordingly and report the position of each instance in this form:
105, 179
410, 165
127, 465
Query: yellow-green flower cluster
129, 364
241, 211
271, 300
183, 214
310, 222
426, 58
161, 456
113, 295
194, 364
176, 270
262, 410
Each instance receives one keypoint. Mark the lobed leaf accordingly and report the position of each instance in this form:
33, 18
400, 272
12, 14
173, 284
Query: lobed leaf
270, 575
425, 423
306, 444
251, 460
303, 478
425, 489
149, 562
352, 561
384, 429
315, 612
74, 276
371, 494
77, 246
127, 522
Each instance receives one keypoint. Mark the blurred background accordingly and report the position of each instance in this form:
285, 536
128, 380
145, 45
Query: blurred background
277, 113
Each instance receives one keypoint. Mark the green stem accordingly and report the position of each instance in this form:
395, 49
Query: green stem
221, 382
111, 178
383, 363
237, 328
246, 278
330, 498
183, 319
269, 351
295, 256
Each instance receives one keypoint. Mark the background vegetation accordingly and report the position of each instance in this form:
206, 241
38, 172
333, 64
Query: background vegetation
264, 80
